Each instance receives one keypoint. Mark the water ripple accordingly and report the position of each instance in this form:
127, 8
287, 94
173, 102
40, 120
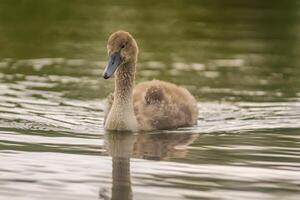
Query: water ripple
51, 132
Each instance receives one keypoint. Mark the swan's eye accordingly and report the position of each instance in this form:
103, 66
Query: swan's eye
123, 46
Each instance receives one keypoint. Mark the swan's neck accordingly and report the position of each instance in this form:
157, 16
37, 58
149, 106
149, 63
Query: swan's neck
124, 83
121, 116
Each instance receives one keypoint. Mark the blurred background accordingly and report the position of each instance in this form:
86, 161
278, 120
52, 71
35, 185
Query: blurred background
223, 49
240, 59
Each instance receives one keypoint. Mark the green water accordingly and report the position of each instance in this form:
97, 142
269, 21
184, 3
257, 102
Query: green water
240, 59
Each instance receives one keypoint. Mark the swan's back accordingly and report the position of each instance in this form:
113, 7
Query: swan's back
163, 105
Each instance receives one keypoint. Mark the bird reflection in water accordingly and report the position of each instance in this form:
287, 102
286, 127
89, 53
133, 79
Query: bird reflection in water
122, 146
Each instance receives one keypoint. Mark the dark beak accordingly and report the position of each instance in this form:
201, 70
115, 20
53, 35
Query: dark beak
114, 61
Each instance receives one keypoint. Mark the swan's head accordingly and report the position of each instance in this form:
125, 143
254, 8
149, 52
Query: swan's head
121, 48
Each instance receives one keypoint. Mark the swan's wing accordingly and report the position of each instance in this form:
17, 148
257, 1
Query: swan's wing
109, 102
162, 105
154, 95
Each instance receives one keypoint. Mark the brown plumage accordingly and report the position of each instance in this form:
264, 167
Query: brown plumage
149, 105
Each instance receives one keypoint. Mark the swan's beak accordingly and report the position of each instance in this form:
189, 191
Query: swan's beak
114, 61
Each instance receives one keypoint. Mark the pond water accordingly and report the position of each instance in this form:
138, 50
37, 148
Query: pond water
239, 58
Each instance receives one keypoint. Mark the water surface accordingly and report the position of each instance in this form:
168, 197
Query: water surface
240, 59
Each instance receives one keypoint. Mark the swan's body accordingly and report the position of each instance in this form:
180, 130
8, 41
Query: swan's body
149, 105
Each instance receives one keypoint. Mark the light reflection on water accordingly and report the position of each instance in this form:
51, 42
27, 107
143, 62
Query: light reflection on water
240, 60
74, 176
238, 150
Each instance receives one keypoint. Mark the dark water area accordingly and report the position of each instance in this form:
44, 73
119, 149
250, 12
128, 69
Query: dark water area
240, 59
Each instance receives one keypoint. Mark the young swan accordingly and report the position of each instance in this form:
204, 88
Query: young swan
150, 105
